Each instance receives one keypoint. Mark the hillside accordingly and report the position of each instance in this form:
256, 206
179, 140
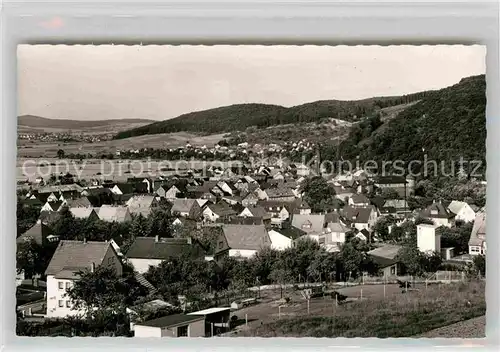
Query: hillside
445, 125
238, 117
37, 123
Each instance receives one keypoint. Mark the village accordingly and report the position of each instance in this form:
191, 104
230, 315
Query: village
360, 228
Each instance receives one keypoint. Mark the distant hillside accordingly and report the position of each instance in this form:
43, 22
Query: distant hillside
445, 125
240, 116
27, 122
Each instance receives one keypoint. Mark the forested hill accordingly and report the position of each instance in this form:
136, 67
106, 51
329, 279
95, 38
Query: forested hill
446, 124
240, 116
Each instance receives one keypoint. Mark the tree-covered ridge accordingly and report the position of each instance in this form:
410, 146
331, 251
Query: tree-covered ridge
240, 116
445, 125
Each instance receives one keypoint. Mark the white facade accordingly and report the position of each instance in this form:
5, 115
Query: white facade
442, 222
142, 265
278, 241
427, 238
466, 213
209, 215
242, 253
194, 329
116, 190
246, 213
58, 305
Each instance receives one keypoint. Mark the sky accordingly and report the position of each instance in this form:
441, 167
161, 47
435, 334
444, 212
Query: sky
86, 82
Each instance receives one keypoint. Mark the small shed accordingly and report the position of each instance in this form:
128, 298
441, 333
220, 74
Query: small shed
177, 325
216, 319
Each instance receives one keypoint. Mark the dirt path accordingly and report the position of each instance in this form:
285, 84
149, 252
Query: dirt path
467, 329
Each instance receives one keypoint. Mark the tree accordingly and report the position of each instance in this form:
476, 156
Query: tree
389, 193
323, 265
351, 259
101, 289
480, 264
60, 154
411, 258
318, 193
29, 259
456, 237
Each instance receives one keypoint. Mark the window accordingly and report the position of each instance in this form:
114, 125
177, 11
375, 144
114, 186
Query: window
67, 285
61, 303
182, 331
68, 304
61, 285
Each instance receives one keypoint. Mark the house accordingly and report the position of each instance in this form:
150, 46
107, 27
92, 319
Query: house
278, 211
439, 214
40, 233
249, 200
114, 214
360, 217
178, 325
256, 212
303, 208
279, 241
463, 211
69, 258
84, 213
404, 186
400, 206
218, 212
280, 193
80, 202
151, 251
386, 259
359, 200
335, 233
189, 208
477, 240
53, 206
241, 241
216, 320
142, 204
310, 224
152, 306
232, 200
343, 193
428, 240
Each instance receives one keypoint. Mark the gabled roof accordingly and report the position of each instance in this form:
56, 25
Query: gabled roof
478, 233
55, 205
81, 213
110, 213
337, 227
141, 201
276, 192
360, 199
60, 188
390, 180
48, 217
73, 256
388, 251
359, 215
163, 249
252, 237
258, 212
315, 222
37, 232
396, 203
222, 209
81, 202
182, 205
437, 210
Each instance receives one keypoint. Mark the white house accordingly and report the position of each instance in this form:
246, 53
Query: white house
69, 258
427, 238
477, 241
241, 241
151, 251
464, 212
439, 214
178, 325
278, 241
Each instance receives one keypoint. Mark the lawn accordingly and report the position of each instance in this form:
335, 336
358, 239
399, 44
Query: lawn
401, 315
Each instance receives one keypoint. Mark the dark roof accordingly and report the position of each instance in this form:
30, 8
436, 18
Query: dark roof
49, 217
77, 255
252, 237
172, 320
239, 220
378, 201
81, 202
390, 180
359, 215
437, 210
332, 217
383, 262
37, 232
222, 209
276, 192
165, 248
291, 232
360, 198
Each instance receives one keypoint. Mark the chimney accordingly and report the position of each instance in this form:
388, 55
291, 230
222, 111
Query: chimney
92, 267
85, 240
157, 238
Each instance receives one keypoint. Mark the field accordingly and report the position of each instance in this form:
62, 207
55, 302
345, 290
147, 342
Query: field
37, 149
395, 315
117, 170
